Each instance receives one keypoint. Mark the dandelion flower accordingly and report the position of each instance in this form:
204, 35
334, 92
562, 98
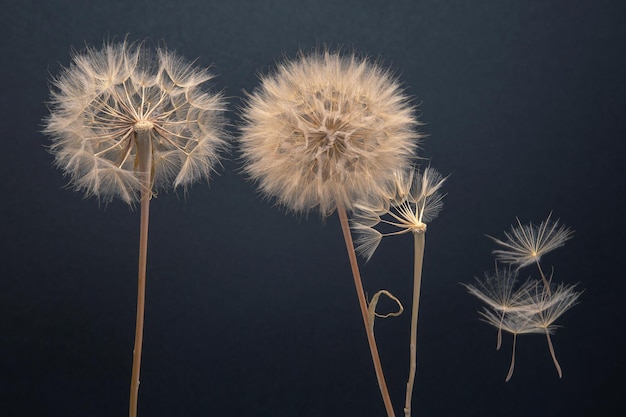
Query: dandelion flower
124, 122
324, 131
113, 103
326, 128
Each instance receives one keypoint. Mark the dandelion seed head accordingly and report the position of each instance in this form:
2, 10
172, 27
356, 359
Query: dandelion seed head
107, 96
325, 128
414, 201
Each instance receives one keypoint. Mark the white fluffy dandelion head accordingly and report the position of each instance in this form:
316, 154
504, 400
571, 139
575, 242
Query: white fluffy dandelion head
107, 96
325, 128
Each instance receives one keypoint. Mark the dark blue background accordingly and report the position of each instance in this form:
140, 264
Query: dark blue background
251, 312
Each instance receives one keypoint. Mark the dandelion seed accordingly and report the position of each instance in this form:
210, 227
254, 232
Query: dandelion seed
523, 309
515, 323
526, 244
533, 306
501, 293
553, 305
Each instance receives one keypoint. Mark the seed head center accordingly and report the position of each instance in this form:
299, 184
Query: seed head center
143, 126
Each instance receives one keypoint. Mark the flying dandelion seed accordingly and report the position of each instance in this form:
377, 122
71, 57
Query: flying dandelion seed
534, 305
502, 293
552, 306
527, 243
513, 323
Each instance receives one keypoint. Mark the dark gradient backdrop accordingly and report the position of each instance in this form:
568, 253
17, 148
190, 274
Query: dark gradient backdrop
251, 312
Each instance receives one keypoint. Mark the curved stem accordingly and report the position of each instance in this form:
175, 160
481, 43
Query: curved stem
345, 227
144, 160
419, 239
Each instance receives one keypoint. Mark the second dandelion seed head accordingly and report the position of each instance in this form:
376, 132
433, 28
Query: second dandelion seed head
327, 128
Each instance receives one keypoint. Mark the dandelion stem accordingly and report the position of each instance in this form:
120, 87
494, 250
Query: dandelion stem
499, 343
419, 239
556, 363
546, 284
345, 227
144, 161
512, 367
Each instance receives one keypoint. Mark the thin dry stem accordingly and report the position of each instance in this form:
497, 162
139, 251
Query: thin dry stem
499, 343
556, 363
512, 367
419, 238
546, 283
144, 162
345, 227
